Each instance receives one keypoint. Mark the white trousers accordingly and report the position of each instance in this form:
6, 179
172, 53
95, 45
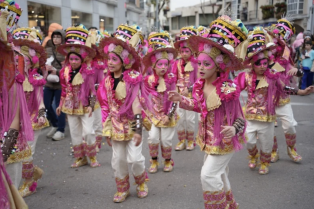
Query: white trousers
285, 114
214, 174
15, 172
97, 125
81, 126
124, 153
162, 135
186, 121
32, 145
265, 133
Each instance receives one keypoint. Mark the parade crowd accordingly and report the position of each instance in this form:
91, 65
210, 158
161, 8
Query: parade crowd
109, 87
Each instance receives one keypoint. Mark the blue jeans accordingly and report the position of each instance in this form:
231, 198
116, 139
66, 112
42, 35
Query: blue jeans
50, 96
307, 79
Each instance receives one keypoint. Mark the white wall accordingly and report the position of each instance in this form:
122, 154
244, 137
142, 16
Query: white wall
82, 6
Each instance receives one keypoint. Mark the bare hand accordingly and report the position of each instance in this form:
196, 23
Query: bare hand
41, 121
108, 139
293, 71
306, 91
89, 111
49, 68
137, 139
54, 72
228, 132
185, 92
165, 119
58, 111
174, 96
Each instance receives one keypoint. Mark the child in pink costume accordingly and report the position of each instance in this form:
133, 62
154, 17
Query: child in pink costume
282, 56
78, 96
222, 124
14, 116
99, 64
185, 70
34, 58
264, 89
160, 110
121, 110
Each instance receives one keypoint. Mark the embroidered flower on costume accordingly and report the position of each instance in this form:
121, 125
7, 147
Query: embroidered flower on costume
228, 88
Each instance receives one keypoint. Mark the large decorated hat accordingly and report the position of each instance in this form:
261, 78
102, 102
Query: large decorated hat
30, 46
274, 32
185, 34
125, 33
226, 31
258, 41
96, 36
77, 41
203, 31
15, 13
160, 47
23, 33
224, 36
106, 34
125, 43
286, 29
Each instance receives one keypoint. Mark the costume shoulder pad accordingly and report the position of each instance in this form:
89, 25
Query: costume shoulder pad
227, 90
132, 77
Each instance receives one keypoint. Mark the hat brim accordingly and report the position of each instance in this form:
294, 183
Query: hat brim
112, 40
194, 41
5, 46
33, 45
65, 49
177, 43
147, 59
248, 59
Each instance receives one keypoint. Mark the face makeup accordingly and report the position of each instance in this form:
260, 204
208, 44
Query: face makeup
114, 62
260, 66
161, 67
75, 61
206, 66
185, 53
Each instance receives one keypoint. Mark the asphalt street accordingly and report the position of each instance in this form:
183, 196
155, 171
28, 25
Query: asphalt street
287, 186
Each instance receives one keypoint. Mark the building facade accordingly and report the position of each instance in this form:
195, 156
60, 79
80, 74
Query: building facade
103, 14
251, 13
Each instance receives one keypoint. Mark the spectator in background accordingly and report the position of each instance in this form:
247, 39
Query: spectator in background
52, 91
307, 57
52, 28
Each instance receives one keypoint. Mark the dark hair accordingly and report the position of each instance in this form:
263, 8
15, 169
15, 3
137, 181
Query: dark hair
303, 45
308, 42
93, 27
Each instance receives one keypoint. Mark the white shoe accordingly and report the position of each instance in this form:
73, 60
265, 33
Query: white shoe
52, 132
58, 136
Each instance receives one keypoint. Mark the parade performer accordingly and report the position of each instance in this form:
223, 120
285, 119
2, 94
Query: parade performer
121, 111
99, 65
11, 116
264, 89
17, 129
185, 69
28, 48
281, 33
160, 110
222, 124
78, 96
